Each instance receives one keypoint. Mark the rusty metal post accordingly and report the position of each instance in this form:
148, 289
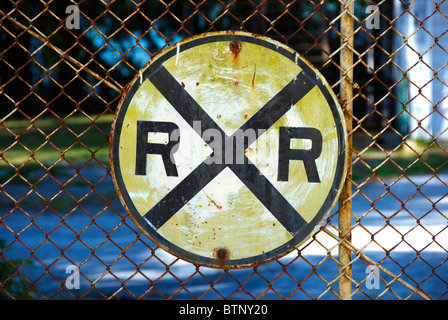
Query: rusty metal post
346, 96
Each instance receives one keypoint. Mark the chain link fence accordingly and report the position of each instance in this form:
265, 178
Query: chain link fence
63, 68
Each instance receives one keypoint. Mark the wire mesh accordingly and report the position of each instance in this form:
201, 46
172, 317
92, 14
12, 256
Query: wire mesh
63, 68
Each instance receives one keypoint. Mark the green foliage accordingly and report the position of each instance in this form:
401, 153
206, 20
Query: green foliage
12, 285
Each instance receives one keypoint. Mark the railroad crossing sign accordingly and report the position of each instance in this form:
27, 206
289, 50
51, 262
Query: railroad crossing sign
229, 149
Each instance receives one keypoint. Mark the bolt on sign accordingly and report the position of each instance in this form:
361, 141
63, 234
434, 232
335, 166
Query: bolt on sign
229, 149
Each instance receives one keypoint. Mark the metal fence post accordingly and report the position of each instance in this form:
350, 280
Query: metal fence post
346, 96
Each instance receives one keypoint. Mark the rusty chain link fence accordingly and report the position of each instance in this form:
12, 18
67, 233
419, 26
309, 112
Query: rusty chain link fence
63, 68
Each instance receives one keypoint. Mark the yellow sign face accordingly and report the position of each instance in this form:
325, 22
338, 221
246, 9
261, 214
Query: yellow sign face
229, 150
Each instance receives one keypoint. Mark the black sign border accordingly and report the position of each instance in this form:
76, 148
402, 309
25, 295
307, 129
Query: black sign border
149, 230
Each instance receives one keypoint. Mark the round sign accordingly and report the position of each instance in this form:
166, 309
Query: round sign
229, 149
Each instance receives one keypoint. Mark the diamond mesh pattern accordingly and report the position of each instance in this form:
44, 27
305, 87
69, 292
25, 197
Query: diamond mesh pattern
60, 87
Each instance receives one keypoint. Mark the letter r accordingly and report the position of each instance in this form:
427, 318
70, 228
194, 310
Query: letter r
144, 148
285, 153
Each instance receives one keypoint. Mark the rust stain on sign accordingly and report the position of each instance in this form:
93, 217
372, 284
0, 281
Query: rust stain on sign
213, 201
222, 254
253, 78
235, 48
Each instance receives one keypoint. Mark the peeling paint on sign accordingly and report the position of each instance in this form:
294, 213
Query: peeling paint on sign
231, 151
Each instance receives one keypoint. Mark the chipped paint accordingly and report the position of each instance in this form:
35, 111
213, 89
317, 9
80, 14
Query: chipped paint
225, 224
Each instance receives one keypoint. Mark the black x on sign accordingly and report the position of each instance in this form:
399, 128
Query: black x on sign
228, 150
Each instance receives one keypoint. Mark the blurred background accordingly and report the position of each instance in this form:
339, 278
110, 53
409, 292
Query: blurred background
63, 68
